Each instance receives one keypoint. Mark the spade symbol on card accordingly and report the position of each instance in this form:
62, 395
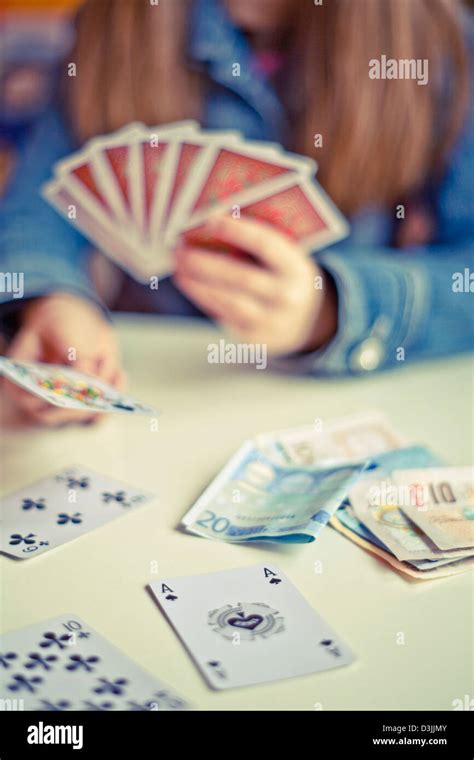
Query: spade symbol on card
170, 595
249, 622
273, 576
217, 668
331, 647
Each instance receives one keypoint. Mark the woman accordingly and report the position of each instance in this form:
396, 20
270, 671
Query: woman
395, 154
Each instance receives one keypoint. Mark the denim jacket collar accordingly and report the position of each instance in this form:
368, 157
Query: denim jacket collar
216, 43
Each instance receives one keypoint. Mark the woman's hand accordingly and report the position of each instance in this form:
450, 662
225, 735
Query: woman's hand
281, 299
63, 329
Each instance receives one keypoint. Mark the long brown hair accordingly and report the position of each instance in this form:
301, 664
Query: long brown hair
381, 138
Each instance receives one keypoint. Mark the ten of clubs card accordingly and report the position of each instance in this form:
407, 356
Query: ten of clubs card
248, 626
63, 664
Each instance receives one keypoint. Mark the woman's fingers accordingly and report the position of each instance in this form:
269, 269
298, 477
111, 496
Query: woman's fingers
225, 272
233, 308
26, 346
51, 416
109, 369
118, 379
28, 402
271, 247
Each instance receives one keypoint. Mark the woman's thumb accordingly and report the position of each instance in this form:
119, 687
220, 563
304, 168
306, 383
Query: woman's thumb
26, 346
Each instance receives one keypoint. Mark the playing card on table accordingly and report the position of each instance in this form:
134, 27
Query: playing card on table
70, 389
300, 210
62, 507
249, 625
63, 664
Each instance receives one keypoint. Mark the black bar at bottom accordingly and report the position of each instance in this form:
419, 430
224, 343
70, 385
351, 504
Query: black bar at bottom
135, 734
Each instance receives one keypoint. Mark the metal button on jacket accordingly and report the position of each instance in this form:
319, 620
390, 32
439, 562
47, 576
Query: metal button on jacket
367, 356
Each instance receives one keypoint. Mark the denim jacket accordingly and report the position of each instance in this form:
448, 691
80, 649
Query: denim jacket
393, 303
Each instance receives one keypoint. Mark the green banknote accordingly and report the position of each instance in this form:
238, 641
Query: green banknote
257, 498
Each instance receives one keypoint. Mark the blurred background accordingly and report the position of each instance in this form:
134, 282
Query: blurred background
35, 35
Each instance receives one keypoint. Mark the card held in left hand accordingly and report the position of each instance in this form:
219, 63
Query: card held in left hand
62, 507
248, 626
66, 387
63, 664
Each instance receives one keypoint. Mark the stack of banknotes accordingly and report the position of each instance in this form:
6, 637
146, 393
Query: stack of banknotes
358, 474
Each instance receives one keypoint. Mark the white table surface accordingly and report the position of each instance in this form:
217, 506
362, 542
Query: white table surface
207, 411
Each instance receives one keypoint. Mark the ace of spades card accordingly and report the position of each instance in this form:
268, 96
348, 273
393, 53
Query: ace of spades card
248, 626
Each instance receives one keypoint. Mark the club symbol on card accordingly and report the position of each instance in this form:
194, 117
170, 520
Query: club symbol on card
21, 683
30, 541
37, 660
217, 668
72, 481
50, 639
17, 538
78, 662
108, 686
94, 707
64, 518
331, 647
138, 707
175, 703
59, 706
32, 504
247, 620
75, 629
6, 659
119, 497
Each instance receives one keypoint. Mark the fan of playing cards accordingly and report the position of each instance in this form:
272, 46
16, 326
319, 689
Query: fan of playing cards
135, 192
